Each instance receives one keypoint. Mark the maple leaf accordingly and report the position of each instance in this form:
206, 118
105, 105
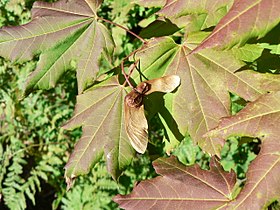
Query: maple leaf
67, 35
188, 14
100, 110
206, 80
181, 187
259, 119
195, 15
105, 115
246, 19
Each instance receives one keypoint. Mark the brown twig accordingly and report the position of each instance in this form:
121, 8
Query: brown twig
131, 70
124, 28
126, 77
122, 65
134, 65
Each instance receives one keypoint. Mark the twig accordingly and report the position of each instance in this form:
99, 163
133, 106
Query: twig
134, 65
126, 77
122, 65
124, 28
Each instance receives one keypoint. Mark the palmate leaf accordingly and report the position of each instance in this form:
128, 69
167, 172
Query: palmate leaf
246, 19
181, 187
260, 119
188, 14
100, 110
195, 14
206, 79
66, 34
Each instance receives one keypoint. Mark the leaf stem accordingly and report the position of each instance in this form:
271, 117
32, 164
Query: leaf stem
124, 28
126, 76
132, 68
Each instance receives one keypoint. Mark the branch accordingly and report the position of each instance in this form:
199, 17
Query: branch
125, 76
126, 29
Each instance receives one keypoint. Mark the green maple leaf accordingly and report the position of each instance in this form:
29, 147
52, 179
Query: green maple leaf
100, 110
67, 35
206, 80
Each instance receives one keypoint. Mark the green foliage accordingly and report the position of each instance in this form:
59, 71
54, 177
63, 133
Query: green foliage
189, 154
238, 156
14, 12
92, 192
30, 135
227, 104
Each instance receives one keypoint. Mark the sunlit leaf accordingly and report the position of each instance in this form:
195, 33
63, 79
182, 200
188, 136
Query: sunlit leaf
67, 35
159, 28
101, 113
181, 187
206, 80
260, 119
274, 49
246, 19
195, 15
150, 3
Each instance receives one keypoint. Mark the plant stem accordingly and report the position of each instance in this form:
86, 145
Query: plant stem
134, 65
126, 77
126, 29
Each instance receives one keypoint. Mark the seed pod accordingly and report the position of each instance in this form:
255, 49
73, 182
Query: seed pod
135, 121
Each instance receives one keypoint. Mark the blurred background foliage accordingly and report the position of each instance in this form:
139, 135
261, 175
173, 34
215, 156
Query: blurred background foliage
34, 148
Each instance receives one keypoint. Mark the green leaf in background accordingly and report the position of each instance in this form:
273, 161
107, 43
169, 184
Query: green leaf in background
159, 28
186, 152
94, 191
238, 156
274, 49
76, 40
246, 19
207, 78
100, 111
259, 119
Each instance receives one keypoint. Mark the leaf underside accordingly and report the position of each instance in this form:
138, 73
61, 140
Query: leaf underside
206, 80
66, 35
180, 187
100, 111
246, 19
259, 119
